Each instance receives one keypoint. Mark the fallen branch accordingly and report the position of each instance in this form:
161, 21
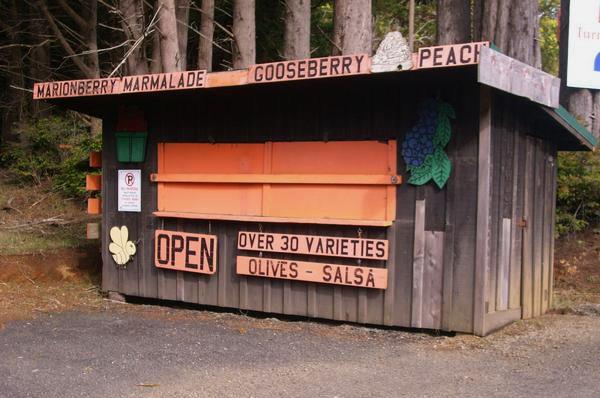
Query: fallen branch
9, 206
39, 201
52, 220
28, 278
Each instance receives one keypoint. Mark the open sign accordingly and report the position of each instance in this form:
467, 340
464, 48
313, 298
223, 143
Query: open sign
185, 251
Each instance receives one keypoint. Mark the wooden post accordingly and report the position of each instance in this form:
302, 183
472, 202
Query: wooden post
483, 212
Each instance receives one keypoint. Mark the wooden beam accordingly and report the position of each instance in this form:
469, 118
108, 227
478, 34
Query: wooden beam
507, 74
226, 79
333, 179
482, 245
290, 220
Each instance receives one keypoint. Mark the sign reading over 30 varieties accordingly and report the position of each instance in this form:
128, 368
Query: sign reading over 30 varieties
332, 246
583, 64
376, 249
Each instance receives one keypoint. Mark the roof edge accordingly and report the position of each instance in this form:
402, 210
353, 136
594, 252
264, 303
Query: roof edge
567, 120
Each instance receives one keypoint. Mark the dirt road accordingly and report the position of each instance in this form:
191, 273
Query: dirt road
125, 350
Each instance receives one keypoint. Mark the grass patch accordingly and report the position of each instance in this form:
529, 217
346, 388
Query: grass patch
35, 219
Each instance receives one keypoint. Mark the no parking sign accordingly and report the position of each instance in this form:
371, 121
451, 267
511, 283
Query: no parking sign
130, 192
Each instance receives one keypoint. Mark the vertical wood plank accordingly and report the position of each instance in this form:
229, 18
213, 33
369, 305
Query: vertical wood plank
389, 299
391, 190
483, 212
110, 275
312, 308
180, 277
547, 226
527, 258
224, 269
504, 266
552, 228
431, 308
418, 264
520, 150
538, 227
287, 297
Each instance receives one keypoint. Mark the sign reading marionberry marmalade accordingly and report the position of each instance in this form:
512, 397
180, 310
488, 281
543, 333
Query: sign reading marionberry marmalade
182, 251
376, 249
117, 85
313, 272
450, 55
311, 68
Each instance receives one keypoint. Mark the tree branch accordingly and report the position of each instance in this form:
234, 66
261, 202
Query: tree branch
76, 17
65, 44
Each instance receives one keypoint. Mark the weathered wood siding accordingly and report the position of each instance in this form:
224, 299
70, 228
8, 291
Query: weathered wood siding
434, 289
522, 201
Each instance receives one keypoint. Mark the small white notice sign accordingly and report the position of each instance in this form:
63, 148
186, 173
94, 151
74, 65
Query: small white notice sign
130, 190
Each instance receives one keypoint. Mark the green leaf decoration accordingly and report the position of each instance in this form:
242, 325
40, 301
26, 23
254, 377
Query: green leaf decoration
443, 132
441, 168
422, 174
446, 109
421, 140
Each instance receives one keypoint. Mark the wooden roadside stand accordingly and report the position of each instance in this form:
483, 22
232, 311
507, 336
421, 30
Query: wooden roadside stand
337, 188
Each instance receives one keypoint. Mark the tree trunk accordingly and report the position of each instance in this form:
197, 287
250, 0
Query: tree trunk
40, 58
207, 31
90, 14
169, 46
512, 25
352, 31
581, 102
182, 13
132, 21
453, 21
296, 39
155, 61
244, 33
16, 100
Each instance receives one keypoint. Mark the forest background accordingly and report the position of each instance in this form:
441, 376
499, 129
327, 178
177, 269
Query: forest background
41, 40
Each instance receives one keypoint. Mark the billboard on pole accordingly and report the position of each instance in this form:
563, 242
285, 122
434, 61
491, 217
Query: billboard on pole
583, 67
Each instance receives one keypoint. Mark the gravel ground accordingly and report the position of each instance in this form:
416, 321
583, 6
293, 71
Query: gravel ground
125, 350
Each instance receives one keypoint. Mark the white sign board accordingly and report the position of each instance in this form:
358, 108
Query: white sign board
583, 66
130, 190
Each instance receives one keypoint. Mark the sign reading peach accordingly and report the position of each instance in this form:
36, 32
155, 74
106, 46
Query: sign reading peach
336, 274
450, 55
376, 249
182, 251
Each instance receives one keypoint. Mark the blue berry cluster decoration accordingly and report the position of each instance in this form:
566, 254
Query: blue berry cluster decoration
423, 146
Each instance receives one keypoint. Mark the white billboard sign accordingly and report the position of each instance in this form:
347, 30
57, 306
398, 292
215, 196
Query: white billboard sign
583, 67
